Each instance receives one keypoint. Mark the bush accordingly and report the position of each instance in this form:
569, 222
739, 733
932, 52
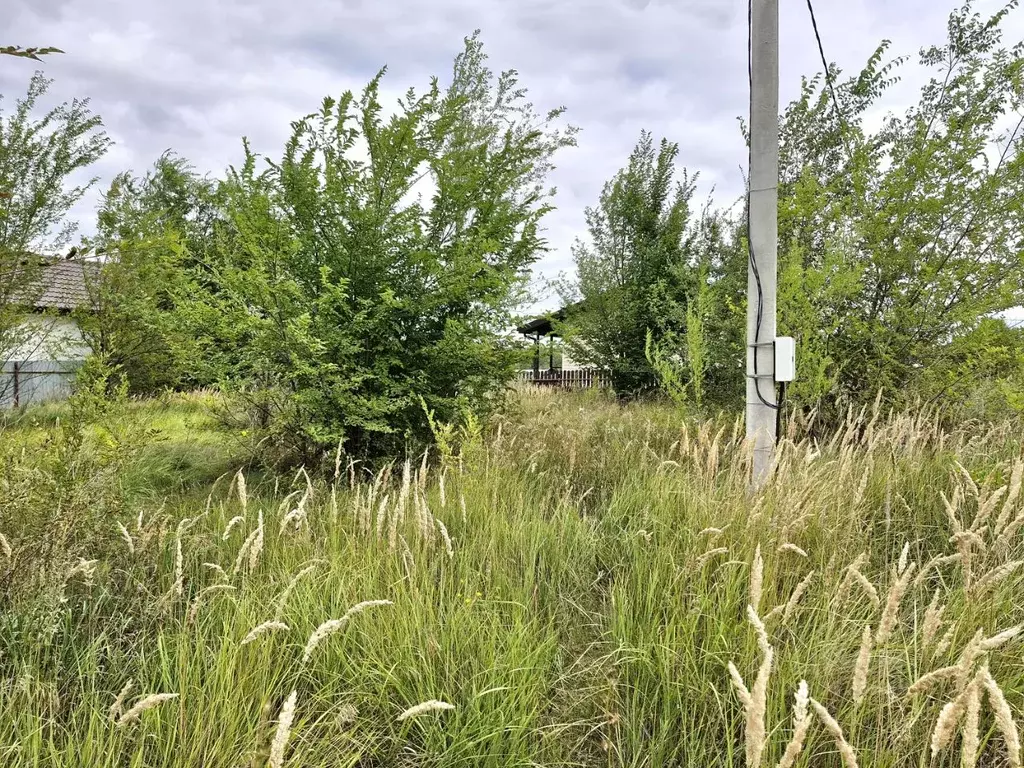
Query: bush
62, 494
352, 296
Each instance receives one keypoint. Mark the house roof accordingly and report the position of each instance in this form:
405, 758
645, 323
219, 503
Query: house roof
63, 284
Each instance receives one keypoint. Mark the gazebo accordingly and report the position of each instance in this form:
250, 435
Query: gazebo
540, 328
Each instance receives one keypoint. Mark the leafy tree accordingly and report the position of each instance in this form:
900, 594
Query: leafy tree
38, 158
897, 244
154, 236
983, 370
634, 274
379, 260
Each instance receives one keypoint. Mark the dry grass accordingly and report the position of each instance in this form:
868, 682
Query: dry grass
589, 591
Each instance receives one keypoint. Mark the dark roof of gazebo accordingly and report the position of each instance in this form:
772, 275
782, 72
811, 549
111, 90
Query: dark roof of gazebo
544, 325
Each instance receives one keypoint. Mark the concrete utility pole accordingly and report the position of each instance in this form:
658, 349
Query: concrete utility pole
762, 401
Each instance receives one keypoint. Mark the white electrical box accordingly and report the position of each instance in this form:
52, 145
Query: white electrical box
785, 358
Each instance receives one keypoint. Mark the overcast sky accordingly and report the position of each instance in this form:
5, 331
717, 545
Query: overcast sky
197, 75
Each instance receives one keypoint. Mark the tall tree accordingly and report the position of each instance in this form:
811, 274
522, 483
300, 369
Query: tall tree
896, 243
363, 282
39, 157
635, 271
154, 234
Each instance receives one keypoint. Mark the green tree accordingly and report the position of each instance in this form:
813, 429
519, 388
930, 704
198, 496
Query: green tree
40, 155
982, 371
379, 260
635, 271
898, 243
154, 235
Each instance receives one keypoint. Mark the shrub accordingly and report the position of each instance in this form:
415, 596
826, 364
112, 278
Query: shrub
353, 296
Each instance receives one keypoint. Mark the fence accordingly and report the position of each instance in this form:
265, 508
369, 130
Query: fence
26, 382
582, 378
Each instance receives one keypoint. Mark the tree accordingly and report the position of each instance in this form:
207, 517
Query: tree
38, 158
897, 244
982, 370
154, 234
354, 295
634, 274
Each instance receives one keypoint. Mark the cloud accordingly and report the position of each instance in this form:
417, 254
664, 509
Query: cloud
196, 76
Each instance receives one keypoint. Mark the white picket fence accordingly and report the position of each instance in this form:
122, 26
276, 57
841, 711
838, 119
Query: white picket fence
27, 382
581, 378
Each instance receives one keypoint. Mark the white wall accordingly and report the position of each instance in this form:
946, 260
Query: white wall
568, 364
47, 337
41, 367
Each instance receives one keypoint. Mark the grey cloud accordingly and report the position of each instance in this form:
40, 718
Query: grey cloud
196, 75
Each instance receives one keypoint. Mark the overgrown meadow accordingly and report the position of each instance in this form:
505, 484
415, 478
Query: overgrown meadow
579, 584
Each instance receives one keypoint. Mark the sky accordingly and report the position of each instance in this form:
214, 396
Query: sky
197, 75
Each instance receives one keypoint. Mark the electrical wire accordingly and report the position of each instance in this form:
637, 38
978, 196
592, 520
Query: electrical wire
828, 76
778, 412
750, 244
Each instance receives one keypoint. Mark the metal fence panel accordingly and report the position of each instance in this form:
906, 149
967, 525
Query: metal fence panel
26, 382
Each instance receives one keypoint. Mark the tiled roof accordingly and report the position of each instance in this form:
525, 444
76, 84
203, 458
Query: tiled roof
64, 284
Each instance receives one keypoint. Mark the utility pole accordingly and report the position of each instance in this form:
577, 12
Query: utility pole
763, 180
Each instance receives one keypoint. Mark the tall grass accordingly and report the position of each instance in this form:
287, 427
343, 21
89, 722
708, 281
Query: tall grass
575, 596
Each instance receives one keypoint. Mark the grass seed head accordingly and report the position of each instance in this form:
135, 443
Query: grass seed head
263, 629
756, 579
845, 750
216, 569
234, 521
801, 725
891, 612
701, 561
945, 641
756, 733
946, 723
118, 705
445, 538
284, 730
790, 547
434, 705
971, 737
928, 681
1003, 717
347, 714
932, 620
794, 599
126, 536
866, 585
257, 545
333, 626
144, 705
860, 670
1000, 639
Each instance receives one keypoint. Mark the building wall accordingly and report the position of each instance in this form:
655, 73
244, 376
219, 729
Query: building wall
42, 366
568, 364
48, 337
563, 360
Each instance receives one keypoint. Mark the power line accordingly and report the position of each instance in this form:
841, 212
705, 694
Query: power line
828, 74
